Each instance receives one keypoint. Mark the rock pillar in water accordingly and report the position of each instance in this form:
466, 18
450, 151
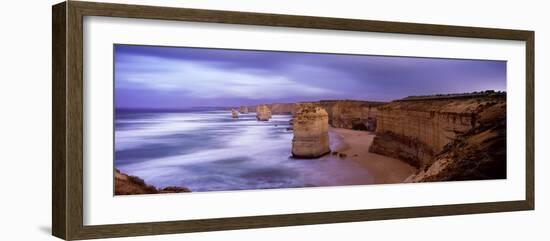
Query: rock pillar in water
234, 113
310, 125
263, 113
243, 110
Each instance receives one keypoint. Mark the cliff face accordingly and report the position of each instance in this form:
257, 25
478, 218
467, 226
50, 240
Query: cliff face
283, 108
243, 110
310, 132
351, 114
478, 154
403, 148
348, 114
251, 108
417, 130
276, 109
130, 185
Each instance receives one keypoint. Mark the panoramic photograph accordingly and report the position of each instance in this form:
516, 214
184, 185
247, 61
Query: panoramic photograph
190, 119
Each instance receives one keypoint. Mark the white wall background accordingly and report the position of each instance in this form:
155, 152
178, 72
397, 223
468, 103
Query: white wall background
25, 119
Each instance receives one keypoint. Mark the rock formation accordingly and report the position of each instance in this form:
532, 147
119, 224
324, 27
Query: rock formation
282, 108
348, 114
351, 114
251, 108
418, 129
234, 113
243, 109
478, 154
277, 108
290, 125
130, 185
407, 149
310, 125
263, 113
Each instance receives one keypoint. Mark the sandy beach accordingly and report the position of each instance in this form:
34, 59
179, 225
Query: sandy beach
176, 149
355, 146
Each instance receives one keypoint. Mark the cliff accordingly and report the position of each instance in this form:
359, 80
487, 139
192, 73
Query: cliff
348, 114
251, 108
243, 110
283, 108
352, 114
276, 108
478, 154
130, 185
416, 130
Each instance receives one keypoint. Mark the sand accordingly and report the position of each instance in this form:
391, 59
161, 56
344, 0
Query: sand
355, 145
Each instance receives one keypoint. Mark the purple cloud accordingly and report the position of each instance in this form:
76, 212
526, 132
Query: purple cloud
178, 77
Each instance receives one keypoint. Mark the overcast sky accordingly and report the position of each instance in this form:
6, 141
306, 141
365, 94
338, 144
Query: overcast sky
170, 77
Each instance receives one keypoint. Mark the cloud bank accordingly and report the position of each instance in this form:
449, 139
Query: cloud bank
170, 77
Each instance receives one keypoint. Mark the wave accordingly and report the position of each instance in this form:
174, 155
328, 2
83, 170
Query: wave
210, 151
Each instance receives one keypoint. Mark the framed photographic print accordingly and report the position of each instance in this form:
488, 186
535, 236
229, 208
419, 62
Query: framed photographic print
171, 120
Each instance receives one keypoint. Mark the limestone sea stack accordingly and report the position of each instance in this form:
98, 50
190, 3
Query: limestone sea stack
310, 126
243, 110
234, 113
263, 113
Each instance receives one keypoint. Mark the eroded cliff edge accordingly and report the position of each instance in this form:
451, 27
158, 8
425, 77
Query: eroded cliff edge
446, 138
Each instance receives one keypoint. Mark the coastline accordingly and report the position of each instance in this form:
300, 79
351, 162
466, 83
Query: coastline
232, 165
355, 145
348, 163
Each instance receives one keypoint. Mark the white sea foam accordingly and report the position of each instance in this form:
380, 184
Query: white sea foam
221, 154
150, 129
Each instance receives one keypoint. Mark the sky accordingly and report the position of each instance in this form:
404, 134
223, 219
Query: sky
156, 77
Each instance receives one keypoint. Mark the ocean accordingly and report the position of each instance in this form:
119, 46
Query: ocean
207, 150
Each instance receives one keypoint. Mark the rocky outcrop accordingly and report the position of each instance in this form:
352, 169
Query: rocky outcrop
283, 109
130, 185
277, 108
234, 113
310, 128
347, 114
263, 113
416, 130
478, 154
243, 109
290, 125
251, 108
351, 114
403, 148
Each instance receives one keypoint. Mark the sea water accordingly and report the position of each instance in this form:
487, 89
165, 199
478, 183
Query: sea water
208, 150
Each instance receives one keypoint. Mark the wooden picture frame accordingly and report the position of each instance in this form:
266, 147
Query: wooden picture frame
67, 123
